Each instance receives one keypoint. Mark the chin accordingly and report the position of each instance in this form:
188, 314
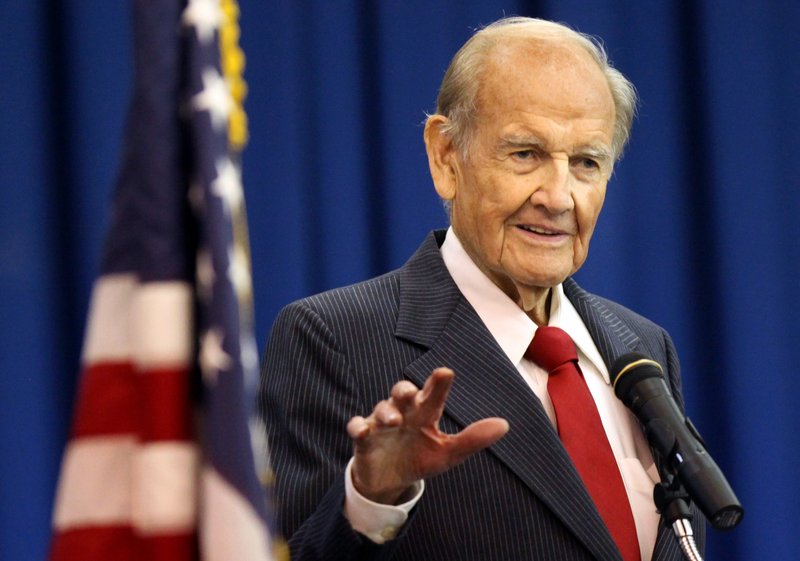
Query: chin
541, 269
541, 281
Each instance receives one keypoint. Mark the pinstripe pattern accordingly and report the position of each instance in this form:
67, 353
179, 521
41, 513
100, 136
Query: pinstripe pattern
335, 355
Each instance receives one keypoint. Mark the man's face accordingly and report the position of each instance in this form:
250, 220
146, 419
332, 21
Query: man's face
526, 198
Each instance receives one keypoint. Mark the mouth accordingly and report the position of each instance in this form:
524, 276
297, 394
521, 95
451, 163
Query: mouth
539, 230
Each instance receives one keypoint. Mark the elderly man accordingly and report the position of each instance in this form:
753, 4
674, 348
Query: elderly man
411, 416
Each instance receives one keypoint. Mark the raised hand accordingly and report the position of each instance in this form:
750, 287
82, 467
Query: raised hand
400, 442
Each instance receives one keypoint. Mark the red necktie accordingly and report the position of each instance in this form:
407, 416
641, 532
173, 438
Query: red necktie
582, 434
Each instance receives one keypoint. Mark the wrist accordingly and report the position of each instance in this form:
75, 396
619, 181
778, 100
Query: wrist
384, 494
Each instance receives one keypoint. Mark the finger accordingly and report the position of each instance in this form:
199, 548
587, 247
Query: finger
437, 386
403, 394
432, 398
386, 414
477, 436
358, 428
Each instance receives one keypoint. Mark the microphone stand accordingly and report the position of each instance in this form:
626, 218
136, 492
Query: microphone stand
672, 502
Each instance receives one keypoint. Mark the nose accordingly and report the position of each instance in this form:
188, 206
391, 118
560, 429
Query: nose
554, 185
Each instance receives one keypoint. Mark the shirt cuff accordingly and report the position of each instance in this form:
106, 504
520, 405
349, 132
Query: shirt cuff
379, 522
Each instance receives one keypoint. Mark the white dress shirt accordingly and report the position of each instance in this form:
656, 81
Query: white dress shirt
513, 330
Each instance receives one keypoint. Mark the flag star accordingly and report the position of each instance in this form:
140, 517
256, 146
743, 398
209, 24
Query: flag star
205, 275
228, 185
239, 272
213, 358
205, 16
214, 98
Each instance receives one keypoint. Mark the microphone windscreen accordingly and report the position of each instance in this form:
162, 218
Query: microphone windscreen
630, 369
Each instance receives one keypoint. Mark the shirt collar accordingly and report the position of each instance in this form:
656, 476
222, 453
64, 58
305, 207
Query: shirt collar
508, 324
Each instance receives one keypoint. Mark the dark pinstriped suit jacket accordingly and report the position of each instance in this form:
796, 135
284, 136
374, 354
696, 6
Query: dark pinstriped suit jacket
335, 355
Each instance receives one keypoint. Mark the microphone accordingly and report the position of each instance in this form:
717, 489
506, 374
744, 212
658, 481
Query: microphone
639, 382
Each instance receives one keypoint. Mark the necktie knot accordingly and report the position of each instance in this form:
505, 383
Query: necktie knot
551, 347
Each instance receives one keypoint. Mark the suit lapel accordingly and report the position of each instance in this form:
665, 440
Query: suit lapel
614, 338
433, 313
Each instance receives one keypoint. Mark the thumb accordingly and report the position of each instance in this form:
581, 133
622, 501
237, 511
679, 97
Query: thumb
477, 436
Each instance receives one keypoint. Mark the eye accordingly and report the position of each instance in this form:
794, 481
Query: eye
528, 154
587, 164
587, 167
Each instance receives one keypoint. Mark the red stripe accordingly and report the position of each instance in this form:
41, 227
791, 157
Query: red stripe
107, 401
119, 543
171, 548
114, 399
166, 404
95, 544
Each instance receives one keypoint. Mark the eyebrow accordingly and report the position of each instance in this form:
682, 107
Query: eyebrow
597, 151
593, 150
521, 141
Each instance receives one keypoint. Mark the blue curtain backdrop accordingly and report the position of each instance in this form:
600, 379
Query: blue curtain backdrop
699, 231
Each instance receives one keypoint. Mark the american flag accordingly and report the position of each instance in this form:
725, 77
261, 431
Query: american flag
160, 461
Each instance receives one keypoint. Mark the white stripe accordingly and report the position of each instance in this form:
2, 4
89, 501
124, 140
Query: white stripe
107, 333
162, 329
95, 484
229, 527
166, 487
115, 480
150, 323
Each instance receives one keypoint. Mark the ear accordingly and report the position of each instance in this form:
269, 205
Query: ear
442, 157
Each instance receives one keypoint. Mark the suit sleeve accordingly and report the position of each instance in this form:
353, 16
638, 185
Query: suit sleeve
306, 398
